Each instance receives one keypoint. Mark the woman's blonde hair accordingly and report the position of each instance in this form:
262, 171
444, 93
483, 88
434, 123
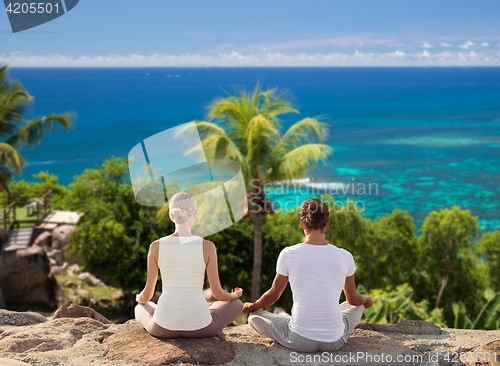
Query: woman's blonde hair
181, 206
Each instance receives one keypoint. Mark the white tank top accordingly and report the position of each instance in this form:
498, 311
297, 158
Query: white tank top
182, 305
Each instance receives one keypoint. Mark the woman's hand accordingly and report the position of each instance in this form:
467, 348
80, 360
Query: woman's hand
248, 308
236, 293
139, 298
369, 302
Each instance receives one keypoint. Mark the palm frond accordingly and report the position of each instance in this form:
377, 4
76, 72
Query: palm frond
32, 133
3, 77
217, 144
10, 158
298, 162
276, 102
306, 131
14, 101
260, 137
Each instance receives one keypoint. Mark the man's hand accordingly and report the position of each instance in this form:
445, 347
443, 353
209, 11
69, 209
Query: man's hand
248, 307
368, 302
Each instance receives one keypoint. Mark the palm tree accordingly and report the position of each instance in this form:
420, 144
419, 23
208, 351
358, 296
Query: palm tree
17, 132
245, 127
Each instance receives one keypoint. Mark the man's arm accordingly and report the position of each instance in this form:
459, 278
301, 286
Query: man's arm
352, 296
270, 296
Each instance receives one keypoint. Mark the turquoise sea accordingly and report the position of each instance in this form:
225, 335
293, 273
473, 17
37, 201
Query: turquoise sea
424, 138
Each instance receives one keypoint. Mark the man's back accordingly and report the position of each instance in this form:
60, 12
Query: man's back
317, 275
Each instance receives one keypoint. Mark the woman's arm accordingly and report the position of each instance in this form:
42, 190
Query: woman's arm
210, 255
270, 296
354, 297
149, 290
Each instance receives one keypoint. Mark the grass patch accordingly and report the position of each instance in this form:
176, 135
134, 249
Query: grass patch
22, 219
95, 291
112, 311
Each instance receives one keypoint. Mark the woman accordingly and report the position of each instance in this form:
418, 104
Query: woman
182, 258
317, 272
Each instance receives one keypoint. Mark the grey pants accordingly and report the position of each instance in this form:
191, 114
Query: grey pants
223, 313
276, 327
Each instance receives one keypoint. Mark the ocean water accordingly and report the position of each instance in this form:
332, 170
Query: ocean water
418, 139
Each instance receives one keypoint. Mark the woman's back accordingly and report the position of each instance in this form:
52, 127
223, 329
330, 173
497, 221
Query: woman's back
317, 274
182, 305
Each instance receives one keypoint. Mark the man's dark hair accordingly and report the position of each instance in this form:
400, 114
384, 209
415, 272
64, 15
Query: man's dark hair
314, 214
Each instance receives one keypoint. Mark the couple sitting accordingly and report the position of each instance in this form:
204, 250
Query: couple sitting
317, 272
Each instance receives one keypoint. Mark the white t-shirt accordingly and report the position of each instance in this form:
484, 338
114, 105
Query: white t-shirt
317, 276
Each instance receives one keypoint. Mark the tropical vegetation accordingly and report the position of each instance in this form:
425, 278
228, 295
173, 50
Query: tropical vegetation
391, 254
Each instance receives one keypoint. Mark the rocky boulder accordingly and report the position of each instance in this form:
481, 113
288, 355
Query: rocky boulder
83, 297
25, 277
44, 240
90, 279
52, 335
138, 345
60, 236
406, 327
10, 362
70, 284
16, 318
76, 311
73, 270
487, 354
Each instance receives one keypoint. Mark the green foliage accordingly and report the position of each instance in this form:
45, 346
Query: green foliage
403, 272
489, 246
449, 269
488, 317
234, 250
393, 305
23, 192
462, 321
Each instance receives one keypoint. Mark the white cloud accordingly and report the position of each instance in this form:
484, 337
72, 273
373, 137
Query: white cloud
446, 45
303, 44
485, 44
426, 45
396, 54
467, 45
396, 58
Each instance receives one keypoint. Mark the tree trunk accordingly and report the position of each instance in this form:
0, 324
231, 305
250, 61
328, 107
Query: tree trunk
444, 282
257, 257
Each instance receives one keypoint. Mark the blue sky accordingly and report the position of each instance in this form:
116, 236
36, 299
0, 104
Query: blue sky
261, 33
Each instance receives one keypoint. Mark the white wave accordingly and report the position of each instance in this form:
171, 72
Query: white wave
309, 183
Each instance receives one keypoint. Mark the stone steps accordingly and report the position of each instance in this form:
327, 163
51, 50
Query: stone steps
19, 237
